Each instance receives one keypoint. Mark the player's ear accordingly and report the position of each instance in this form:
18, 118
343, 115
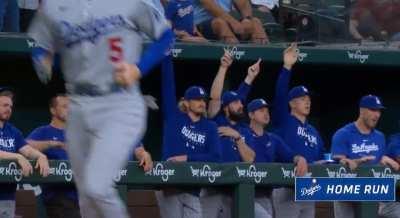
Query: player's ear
52, 111
292, 104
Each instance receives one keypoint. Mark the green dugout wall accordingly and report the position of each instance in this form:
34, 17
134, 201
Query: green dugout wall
337, 77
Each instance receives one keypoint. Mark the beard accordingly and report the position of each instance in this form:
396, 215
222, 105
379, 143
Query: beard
236, 116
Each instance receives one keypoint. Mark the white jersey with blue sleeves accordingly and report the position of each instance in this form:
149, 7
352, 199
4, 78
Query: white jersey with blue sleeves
91, 34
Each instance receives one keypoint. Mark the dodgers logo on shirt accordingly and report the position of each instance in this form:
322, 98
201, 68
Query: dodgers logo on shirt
345, 189
7, 144
364, 147
91, 30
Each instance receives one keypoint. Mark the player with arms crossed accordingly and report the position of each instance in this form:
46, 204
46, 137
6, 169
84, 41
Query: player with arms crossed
102, 62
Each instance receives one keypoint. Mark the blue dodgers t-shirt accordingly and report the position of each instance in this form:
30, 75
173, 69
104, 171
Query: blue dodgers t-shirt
349, 141
198, 140
180, 13
269, 147
302, 138
230, 151
11, 140
50, 133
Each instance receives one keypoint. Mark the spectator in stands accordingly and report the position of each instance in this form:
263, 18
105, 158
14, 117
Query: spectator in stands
180, 15
227, 112
14, 147
269, 9
375, 19
292, 125
9, 16
360, 143
188, 137
214, 21
268, 147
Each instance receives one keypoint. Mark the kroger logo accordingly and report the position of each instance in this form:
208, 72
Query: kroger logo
11, 170
206, 172
31, 43
234, 52
176, 52
159, 171
311, 190
340, 173
120, 174
62, 170
252, 172
289, 173
357, 55
386, 173
302, 56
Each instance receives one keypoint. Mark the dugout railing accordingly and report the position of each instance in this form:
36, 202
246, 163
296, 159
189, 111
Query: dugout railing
374, 53
243, 178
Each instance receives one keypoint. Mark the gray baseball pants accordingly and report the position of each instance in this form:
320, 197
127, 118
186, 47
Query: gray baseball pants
286, 207
178, 205
101, 133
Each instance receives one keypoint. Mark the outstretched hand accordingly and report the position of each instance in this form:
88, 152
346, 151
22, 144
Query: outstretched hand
290, 56
226, 59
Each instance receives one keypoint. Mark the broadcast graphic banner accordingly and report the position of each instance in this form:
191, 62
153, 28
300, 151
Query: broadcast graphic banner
345, 189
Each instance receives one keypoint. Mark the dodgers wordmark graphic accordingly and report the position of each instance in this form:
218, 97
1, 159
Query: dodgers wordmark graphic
159, 171
206, 172
345, 189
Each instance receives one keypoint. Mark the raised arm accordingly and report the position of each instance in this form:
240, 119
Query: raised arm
149, 20
281, 108
218, 84
168, 89
245, 86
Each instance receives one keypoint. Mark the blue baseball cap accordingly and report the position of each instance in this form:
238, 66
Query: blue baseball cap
371, 102
5, 88
195, 92
228, 97
298, 91
256, 104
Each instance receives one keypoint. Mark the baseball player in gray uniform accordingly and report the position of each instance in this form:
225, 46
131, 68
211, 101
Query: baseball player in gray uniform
100, 43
